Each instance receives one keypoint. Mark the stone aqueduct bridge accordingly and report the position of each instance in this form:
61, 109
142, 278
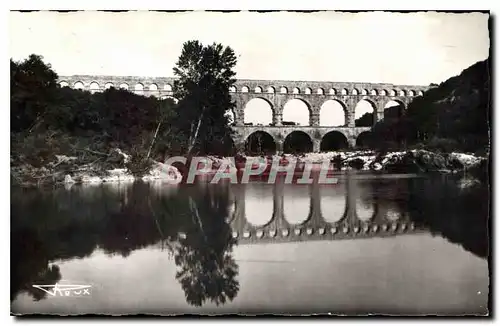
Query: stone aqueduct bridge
383, 222
276, 93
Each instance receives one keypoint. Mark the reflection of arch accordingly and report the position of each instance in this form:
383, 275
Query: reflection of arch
297, 207
260, 142
333, 203
333, 140
297, 142
259, 203
297, 110
258, 111
326, 118
365, 211
364, 139
78, 85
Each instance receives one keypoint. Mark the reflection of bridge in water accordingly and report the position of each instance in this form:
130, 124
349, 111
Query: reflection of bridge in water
320, 221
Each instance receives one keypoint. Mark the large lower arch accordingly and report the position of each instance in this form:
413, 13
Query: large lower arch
296, 203
297, 142
365, 140
296, 112
365, 114
333, 113
259, 203
260, 143
257, 112
332, 141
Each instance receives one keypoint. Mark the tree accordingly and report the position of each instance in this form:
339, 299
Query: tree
204, 74
32, 87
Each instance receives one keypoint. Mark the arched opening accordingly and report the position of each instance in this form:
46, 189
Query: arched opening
364, 140
373, 92
153, 88
411, 93
124, 86
308, 91
139, 88
364, 92
94, 87
260, 143
393, 110
402, 93
333, 141
296, 91
63, 84
355, 92
167, 88
258, 112
296, 112
332, 113
244, 89
258, 89
232, 89
108, 85
283, 90
270, 90
259, 203
383, 92
332, 91
392, 92
297, 142
420, 93
296, 203
333, 203
320, 91
364, 114
78, 85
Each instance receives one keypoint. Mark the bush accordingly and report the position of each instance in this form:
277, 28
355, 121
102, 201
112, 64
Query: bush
444, 145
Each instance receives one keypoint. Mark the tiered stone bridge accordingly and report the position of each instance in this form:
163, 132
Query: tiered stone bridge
276, 93
384, 221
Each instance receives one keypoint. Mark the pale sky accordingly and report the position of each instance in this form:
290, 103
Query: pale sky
411, 48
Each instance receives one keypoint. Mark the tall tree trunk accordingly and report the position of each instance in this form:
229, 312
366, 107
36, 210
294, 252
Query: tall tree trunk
154, 139
195, 136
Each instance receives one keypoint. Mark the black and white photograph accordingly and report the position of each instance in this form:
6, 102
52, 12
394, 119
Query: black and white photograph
203, 163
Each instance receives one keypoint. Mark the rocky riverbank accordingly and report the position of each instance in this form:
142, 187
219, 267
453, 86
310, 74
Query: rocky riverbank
68, 169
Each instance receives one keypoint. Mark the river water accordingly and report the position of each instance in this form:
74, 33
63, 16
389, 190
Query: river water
372, 243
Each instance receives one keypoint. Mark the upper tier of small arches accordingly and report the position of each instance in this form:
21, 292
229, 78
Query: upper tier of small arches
161, 85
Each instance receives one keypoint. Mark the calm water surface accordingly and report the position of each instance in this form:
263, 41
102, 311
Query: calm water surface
389, 244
